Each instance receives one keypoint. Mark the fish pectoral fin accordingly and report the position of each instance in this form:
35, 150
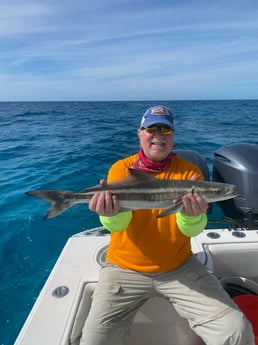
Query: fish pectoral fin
177, 207
173, 209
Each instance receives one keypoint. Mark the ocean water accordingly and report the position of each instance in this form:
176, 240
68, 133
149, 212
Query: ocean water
70, 145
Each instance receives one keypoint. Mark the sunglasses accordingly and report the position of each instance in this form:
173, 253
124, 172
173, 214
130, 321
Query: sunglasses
165, 130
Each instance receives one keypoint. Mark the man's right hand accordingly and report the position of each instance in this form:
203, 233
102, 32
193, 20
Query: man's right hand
104, 203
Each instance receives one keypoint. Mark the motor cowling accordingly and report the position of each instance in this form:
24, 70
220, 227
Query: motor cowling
238, 164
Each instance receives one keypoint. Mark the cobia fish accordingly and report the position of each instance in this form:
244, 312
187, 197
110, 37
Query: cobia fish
139, 191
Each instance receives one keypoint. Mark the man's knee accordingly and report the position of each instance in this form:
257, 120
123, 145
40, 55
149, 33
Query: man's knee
240, 329
232, 328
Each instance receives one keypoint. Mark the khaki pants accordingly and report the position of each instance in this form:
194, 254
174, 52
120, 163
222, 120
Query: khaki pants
196, 295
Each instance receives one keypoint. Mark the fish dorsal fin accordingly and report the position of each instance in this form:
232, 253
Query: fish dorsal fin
139, 175
135, 177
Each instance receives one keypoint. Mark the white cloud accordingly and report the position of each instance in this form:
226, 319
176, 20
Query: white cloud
21, 18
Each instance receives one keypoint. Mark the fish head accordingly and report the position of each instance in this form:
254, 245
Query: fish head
220, 191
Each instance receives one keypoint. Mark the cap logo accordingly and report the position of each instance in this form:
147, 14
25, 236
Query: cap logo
157, 114
159, 110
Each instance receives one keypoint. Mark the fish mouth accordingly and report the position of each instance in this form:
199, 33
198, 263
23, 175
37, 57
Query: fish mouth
233, 192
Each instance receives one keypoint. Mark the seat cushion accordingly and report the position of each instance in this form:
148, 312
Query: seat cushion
249, 306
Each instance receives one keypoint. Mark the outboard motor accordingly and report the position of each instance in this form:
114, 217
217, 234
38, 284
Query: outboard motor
238, 164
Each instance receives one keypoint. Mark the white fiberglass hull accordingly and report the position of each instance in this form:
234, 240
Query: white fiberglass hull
56, 320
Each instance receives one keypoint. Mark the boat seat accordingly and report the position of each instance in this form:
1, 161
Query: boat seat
150, 327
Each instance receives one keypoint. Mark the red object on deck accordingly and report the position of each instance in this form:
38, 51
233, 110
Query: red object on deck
249, 306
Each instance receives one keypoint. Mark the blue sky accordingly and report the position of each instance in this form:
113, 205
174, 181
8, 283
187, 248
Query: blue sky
128, 49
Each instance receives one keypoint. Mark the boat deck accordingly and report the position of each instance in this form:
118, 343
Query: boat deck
57, 320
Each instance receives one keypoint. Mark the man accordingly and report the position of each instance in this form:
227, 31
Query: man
150, 256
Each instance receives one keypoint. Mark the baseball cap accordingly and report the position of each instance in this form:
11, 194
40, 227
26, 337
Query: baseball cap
158, 115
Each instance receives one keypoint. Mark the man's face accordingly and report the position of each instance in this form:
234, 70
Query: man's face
156, 146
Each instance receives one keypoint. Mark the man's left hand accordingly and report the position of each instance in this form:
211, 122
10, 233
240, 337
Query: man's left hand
194, 204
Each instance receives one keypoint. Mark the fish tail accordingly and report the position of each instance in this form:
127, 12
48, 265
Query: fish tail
59, 200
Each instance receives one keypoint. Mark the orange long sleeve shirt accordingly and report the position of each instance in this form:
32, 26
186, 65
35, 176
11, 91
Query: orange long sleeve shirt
150, 244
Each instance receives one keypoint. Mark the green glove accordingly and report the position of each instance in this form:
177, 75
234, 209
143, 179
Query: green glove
191, 225
118, 222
